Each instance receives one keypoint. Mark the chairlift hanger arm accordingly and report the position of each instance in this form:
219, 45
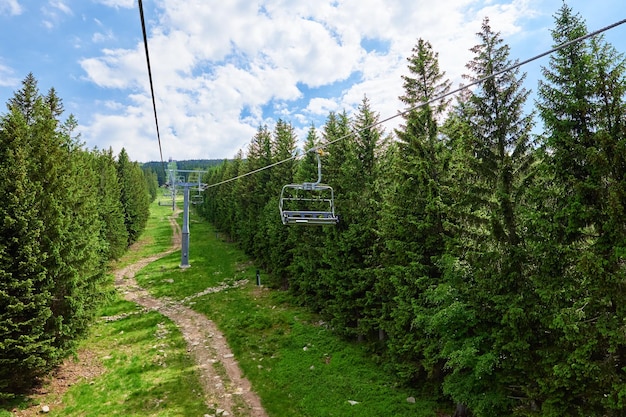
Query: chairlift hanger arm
318, 152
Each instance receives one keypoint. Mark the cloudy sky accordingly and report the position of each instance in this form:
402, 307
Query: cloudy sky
223, 68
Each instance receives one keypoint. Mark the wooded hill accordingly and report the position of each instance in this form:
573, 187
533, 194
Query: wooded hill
471, 254
186, 165
65, 213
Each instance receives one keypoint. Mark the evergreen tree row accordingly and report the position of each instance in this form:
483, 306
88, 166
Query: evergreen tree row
66, 212
473, 255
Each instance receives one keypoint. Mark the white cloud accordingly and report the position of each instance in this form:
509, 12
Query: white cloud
118, 68
10, 7
100, 37
125, 4
7, 77
322, 106
217, 68
61, 6
53, 13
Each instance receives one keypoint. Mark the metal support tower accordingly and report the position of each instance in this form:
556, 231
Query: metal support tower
184, 183
184, 250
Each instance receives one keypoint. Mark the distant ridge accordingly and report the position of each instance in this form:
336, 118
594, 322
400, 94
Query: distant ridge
189, 164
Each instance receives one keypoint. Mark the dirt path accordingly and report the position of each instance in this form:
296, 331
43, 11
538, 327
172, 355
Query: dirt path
226, 391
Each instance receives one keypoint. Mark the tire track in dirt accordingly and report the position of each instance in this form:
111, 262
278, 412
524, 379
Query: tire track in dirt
231, 392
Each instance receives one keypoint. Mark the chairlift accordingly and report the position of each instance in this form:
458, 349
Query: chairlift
309, 203
167, 194
197, 199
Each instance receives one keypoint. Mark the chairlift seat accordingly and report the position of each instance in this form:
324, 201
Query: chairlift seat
312, 218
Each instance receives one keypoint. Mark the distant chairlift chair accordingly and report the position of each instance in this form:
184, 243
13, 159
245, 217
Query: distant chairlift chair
197, 199
167, 193
309, 203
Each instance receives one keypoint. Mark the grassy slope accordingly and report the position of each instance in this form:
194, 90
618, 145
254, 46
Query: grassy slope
148, 370
297, 366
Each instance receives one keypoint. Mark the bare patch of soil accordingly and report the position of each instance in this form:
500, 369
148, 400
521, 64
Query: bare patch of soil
84, 366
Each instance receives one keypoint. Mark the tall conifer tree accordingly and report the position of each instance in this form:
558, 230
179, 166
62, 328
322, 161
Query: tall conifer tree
114, 231
65, 202
134, 195
255, 192
579, 249
488, 354
279, 243
307, 252
411, 224
25, 289
350, 245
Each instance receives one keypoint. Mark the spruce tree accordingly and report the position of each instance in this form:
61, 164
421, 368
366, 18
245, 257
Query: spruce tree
580, 240
221, 201
24, 99
134, 196
66, 205
255, 192
305, 281
488, 355
78, 292
350, 245
114, 232
279, 242
152, 182
26, 349
411, 224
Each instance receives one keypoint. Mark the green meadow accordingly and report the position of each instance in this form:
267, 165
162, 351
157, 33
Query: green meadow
295, 363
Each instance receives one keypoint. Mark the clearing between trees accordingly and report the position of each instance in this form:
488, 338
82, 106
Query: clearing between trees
205, 342
228, 391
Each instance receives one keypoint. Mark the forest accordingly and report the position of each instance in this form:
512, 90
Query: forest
66, 213
481, 246
480, 250
159, 168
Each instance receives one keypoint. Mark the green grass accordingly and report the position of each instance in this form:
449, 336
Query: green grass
210, 266
156, 238
296, 365
147, 369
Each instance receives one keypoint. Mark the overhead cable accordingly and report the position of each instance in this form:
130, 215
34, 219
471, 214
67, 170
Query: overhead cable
145, 43
424, 103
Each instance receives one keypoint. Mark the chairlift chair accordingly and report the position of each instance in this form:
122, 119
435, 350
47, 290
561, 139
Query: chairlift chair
309, 203
197, 199
167, 193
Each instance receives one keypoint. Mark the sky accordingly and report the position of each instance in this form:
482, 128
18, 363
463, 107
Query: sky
223, 68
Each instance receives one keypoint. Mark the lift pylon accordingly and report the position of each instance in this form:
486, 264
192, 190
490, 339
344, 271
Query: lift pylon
181, 179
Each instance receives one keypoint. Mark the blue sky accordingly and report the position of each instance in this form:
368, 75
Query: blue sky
221, 69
